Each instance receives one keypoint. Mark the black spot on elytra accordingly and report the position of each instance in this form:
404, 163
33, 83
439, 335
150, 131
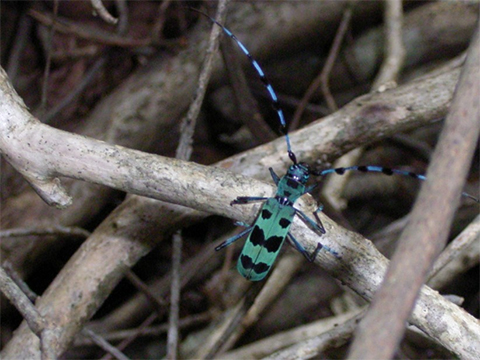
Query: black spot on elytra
273, 243
246, 262
257, 236
284, 223
261, 268
266, 214
248, 265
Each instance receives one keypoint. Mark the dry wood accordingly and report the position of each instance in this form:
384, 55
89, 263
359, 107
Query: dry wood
107, 251
126, 235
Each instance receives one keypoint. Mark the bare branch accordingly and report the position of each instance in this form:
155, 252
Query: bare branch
48, 62
149, 175
187, 126
48, 230
323, 78
459, 256
93, 34
394, 49
190, 321
22, 303
104, 344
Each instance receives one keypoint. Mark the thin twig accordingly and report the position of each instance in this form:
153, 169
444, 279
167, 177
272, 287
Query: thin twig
135, 334
153, 331
156, 301
19, 281
104, 344
323, 77
122, 9
232, 318
394, 48
160, 20
50, 230
188, 122
49, 50
36, 322
94, 70
90, 33
21, 36
87, 80
174, 313
31, 315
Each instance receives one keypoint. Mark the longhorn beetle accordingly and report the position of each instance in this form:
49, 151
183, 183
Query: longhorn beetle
267, 234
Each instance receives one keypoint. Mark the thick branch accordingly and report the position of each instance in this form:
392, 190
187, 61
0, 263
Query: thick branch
430, 220
33, 148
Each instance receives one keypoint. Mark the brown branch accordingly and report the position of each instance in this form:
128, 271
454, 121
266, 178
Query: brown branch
31, 156
48, 62
133, 335
104, 344
187, 126
152, 331
35, 321
394, 49
97, 35
323, 77
48, 230
460, 255
430, 220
